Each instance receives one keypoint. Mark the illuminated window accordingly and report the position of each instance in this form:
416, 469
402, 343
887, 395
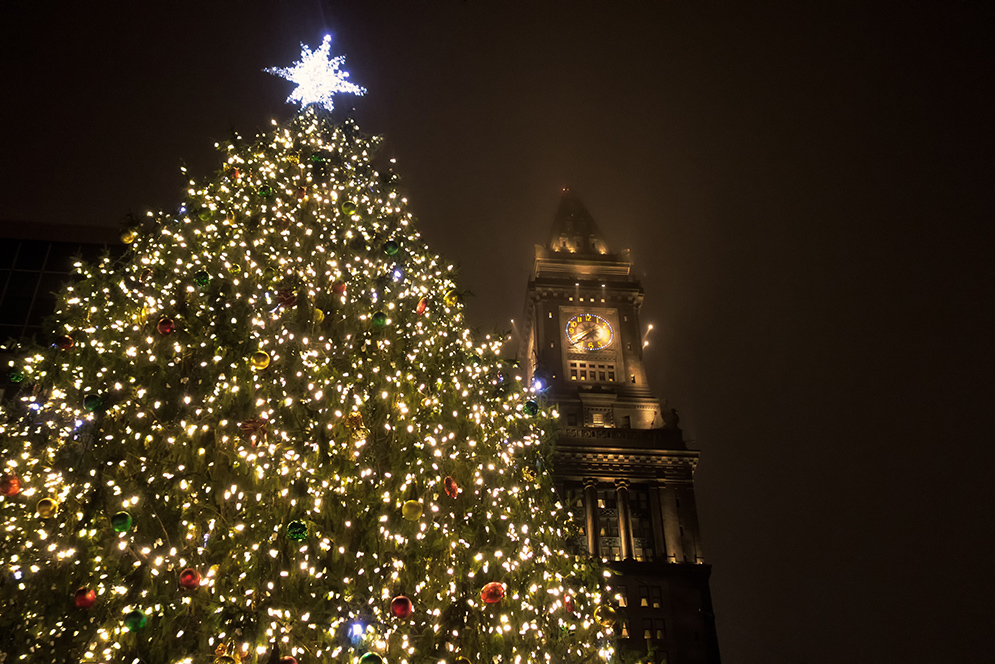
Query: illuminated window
599, 373
598, 419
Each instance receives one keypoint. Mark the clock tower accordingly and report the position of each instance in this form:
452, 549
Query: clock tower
621, 462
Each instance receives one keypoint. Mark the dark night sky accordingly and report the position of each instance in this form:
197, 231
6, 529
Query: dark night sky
806, 188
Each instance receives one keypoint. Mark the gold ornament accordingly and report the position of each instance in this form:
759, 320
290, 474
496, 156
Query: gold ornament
129, 235
319, 316
354, 420
260, 359
411, 510
451, 298
604, 615
294, 158
227, 655
47, 507
461, 660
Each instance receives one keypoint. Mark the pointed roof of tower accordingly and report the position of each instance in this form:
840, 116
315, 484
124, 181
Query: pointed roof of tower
574, 230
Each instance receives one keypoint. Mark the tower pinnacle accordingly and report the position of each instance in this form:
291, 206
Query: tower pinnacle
574, 229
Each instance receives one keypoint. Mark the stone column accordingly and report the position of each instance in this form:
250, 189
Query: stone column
659, 544
591, 511
624, 518
671, 525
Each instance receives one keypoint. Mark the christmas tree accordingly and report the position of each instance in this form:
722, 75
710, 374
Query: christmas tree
265, 434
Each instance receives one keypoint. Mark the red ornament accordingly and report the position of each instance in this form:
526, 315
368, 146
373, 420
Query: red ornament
452, 489
84, 598
10, 485
301, 193
400, 607
287, 660
65, 342
165, 326
286, 299
254, 429
568, 604
190, 578
422, 306
338, 288
492, 593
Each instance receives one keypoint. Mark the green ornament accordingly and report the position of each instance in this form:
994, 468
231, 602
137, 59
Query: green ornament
201, 278
265, 191
121, 522
318, 157
349, 208
297, 530
92, 402
135, 620
530, 408
379, 319
15, 376
204, 214
371, 658
391, 248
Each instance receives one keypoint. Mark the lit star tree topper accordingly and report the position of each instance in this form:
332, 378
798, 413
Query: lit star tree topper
318, 77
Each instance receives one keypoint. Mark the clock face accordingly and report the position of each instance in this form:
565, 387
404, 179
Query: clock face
589, 332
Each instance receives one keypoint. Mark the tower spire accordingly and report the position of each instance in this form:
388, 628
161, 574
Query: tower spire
574, 229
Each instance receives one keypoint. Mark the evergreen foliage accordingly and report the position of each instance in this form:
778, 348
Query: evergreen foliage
267, 422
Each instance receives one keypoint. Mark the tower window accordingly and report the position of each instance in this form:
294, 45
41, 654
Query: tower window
550, 315
632, 379
598, 419
590, 371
